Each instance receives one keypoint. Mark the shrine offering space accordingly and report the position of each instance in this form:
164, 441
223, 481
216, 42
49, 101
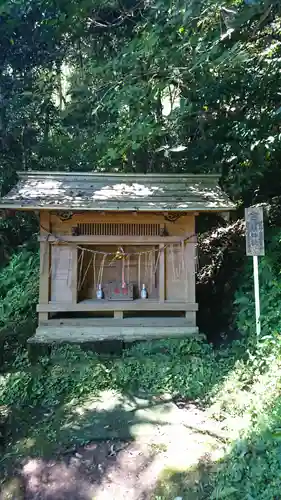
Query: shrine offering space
117, 252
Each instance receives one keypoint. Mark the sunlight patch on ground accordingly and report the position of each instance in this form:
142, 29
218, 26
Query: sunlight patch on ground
123, 471
245, 397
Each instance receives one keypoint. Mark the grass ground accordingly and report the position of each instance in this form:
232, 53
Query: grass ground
52, 416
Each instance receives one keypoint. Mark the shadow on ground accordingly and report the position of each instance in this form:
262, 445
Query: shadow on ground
94, 471
79, 449
111, 468
249, 468
68, 452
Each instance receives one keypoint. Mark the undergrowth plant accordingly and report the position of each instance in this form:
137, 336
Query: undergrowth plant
68, 373
19, 291
249, 399
246, 396
180, 367
57, 390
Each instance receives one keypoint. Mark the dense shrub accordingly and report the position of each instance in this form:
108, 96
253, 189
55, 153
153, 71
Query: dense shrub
68, 373
250, 394
183, 367
19, 293
180, 367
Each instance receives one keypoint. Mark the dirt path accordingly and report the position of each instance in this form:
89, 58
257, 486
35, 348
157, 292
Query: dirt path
123, 470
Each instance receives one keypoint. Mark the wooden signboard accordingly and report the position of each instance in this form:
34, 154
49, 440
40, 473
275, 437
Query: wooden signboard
254, 231
255, 248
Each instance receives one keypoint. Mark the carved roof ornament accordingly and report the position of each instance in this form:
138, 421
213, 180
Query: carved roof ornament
64, 215
173, 217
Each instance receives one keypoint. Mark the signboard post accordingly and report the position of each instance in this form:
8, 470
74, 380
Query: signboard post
255, 248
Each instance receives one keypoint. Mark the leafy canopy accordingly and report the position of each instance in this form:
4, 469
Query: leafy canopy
143, 86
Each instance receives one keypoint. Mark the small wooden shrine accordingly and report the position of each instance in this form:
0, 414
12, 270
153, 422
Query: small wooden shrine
117, 252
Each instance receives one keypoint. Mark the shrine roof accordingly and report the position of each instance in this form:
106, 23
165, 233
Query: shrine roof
116, 192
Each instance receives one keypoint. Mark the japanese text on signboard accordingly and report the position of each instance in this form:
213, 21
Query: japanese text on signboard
254, 231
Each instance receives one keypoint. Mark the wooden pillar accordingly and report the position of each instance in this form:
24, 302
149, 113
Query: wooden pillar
190, 268
162, 279
74, 274
44, 283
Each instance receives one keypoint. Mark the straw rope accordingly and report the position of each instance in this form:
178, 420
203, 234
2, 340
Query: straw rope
151, 261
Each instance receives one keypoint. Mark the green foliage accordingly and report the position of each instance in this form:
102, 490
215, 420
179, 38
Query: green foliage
245, 396
55, 393
270, 291
249, 398
178, 367
15, 231
160, 86
252, 470
19, 291
67, 372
